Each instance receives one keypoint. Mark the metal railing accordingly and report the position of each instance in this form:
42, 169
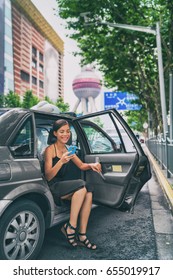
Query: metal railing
162, 150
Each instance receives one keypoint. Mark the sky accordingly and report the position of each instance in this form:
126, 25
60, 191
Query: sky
71, 63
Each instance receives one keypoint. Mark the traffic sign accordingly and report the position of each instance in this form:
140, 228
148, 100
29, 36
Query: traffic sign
120, 101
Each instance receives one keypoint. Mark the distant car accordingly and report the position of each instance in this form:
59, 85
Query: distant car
27, 206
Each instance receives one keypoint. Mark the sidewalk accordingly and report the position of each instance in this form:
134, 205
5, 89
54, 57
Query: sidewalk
162, 209
165, 183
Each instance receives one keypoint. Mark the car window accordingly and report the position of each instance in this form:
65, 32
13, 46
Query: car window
74, 137
105, 134
42, 137
23, 143
45, 136
127, 142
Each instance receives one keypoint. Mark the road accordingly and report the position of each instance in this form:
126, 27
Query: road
145, 235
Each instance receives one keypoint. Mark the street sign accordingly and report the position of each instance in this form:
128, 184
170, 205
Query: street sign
120, 101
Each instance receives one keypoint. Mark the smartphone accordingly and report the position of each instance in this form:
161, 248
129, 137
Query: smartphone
72, 150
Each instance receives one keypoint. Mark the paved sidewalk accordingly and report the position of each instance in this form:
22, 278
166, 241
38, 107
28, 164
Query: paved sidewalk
161, 194
165, 183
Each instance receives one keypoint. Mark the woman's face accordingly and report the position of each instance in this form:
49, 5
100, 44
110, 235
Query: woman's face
63, 134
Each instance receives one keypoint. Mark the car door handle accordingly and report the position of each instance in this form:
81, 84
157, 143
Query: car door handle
101, 174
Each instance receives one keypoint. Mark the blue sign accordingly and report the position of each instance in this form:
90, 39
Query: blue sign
120, 101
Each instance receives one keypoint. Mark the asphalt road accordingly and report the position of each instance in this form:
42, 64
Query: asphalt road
118, 235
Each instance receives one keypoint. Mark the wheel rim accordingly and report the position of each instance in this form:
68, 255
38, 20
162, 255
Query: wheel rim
21, 236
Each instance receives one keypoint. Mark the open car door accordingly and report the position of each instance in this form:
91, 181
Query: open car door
106, 138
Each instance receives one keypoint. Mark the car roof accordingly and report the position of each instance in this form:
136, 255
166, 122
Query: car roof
11, 117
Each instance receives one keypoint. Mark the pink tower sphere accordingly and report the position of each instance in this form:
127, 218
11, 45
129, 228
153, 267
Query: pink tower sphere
86, 84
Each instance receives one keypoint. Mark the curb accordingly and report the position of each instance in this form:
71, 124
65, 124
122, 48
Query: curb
163, 181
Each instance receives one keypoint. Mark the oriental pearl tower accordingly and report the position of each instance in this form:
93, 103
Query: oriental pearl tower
86, 87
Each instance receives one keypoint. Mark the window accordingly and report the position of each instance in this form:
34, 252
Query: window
40, 56
24, 76
105, 134
34, 63
41, 84
9, 84
8, 31
8, 48
23, 144
41, 68
8, 66
42, 137
34, 80
34, 51
7, 12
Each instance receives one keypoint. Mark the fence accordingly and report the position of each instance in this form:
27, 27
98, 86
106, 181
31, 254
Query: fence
162, 150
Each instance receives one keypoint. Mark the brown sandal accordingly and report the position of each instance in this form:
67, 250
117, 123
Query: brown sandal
85, 243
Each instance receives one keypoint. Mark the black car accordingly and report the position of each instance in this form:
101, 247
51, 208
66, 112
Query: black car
27, 206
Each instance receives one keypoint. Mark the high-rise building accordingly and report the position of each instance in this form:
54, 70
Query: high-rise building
31, 52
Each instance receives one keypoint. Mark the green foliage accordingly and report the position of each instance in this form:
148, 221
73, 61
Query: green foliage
136, 119
63, 107
48, 100
12, 100
2, 101
29, 99
126, 58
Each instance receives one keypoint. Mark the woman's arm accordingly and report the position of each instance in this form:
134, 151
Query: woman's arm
86, 166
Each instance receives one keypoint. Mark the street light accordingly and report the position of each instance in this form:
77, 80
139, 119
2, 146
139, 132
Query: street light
150, 30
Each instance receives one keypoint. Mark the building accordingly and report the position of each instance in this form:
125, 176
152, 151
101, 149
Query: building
31, 52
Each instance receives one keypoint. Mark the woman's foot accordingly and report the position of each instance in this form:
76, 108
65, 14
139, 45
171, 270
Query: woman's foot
70, 233
82, 240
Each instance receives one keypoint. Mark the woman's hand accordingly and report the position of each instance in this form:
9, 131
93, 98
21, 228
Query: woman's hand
66, 158
96, 167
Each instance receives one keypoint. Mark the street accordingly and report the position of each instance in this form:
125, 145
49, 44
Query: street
145, 235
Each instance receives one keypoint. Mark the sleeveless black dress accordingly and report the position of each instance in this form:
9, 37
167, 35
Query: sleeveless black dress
61, 184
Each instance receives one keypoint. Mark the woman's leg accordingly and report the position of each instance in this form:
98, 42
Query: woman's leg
77, 199
85, 212
84, 216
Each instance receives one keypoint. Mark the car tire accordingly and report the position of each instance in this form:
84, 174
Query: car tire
22, 230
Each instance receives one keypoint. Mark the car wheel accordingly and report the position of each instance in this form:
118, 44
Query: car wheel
22, 230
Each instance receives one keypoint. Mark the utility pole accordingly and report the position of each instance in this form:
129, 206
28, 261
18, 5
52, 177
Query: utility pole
150, 30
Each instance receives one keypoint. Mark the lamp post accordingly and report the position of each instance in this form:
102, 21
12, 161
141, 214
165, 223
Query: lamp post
150, 30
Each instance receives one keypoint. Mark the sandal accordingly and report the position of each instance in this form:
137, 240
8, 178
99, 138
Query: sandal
71, 237
85, 243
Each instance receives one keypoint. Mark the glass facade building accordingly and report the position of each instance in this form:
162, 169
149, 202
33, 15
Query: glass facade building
6, 53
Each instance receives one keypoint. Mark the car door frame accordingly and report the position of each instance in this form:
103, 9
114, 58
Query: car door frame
114, 189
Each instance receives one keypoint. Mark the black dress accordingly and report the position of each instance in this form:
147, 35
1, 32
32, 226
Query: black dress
62, 185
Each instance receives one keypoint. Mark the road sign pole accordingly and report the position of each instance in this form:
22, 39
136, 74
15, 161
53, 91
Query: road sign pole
155, 32
161, 80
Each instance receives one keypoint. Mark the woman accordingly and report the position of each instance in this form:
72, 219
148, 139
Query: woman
57, 160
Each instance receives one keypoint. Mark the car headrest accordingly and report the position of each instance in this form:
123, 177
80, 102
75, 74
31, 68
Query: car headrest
52, 138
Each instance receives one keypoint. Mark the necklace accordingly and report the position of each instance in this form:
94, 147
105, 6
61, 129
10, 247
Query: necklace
60, 151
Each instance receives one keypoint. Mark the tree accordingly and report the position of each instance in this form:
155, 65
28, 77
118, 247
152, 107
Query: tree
12, 100
29, 99
2, 101
126, 58
136, 119
63, 107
